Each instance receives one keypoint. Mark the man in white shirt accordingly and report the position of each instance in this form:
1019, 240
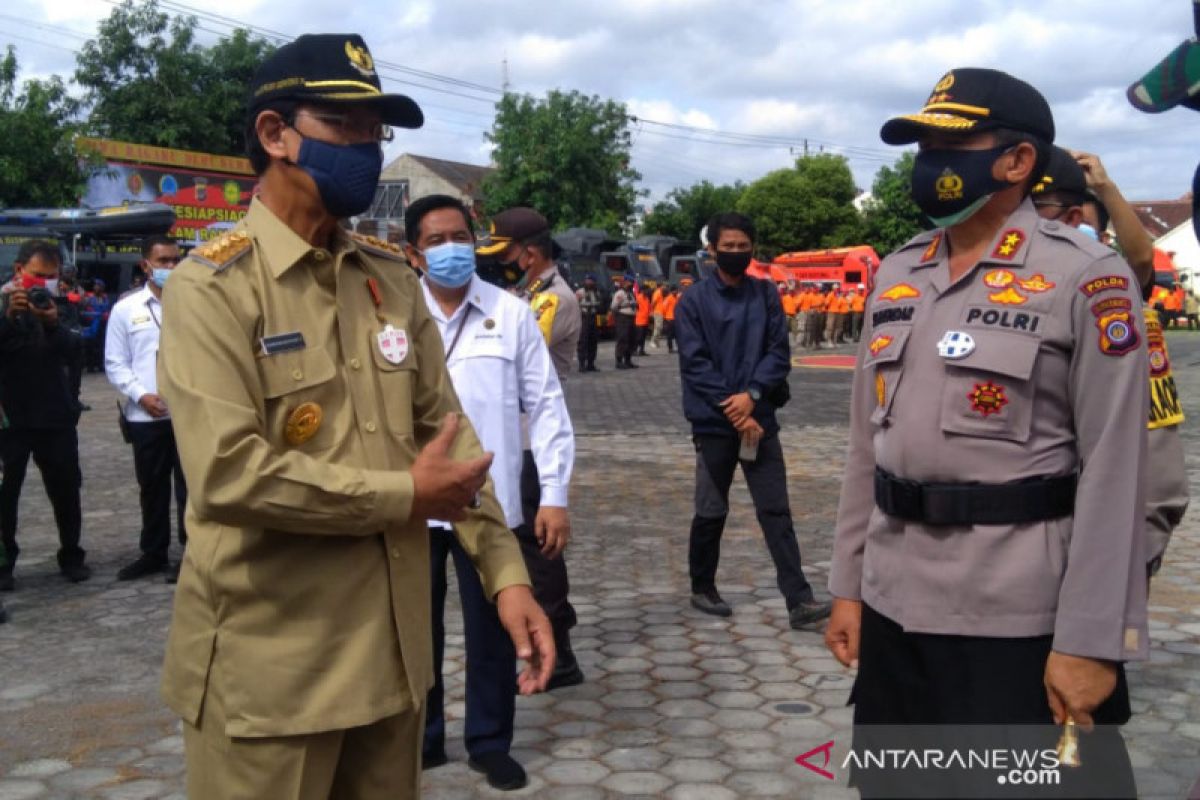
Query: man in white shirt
130, 361
500, 365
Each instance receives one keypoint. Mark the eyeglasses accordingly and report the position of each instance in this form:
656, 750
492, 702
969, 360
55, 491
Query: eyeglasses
352, 127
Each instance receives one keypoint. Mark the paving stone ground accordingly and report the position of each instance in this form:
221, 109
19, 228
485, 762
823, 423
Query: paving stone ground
677, 704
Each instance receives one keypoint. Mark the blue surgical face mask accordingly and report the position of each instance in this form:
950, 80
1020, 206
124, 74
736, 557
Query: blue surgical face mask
1089, 230
346, 174
451, 264
159, 276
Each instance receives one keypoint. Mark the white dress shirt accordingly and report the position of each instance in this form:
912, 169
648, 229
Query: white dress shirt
500, 366
131, 350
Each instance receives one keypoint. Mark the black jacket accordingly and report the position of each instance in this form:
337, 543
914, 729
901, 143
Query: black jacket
35, 363
730, 339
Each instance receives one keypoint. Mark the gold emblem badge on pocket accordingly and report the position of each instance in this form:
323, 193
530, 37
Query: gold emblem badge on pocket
303, 423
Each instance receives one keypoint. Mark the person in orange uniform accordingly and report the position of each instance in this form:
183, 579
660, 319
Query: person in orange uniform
834, 309
858, 306
670, 300
791, 305
641, 319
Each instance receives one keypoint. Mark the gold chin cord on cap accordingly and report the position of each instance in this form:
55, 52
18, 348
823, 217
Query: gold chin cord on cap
1068, 745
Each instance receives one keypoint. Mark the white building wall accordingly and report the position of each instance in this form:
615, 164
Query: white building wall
1182, 242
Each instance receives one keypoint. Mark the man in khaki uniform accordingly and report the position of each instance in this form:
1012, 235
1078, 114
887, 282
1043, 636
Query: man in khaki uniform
1071, 193
999, 422
308, 384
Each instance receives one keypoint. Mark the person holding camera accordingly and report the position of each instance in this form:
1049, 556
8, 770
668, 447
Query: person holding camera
41, 409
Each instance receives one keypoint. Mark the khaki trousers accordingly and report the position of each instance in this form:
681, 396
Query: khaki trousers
380, 761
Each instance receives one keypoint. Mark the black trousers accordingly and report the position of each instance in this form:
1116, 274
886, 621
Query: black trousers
56, 453
549, 576
766, 476
156, 462
491, 657
927, 682
669, 332
589, 340
624, 333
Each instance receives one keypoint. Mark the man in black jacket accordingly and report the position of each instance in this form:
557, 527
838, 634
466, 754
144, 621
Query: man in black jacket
41, 409
733, 356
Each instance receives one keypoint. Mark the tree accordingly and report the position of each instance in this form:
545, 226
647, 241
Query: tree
685, 211
890, 217
146, 80
38, 163
567, 156
807, 207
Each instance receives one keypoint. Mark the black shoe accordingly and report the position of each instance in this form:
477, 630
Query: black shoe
593, 368
76, 573
808, 612
566, 673
501, 769
3, 614
622, 365
172, 575
7, 584
433, 759
631, 365
145, 565
711, 603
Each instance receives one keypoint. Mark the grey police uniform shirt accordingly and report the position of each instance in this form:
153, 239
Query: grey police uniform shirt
1046, 376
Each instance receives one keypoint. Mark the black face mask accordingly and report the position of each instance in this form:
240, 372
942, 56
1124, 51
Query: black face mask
951, 185
734, 264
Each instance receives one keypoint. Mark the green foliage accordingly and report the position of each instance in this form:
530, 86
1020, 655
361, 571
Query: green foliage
890, 217
146, 80
807, 207
567, 156
38, 163
685, 211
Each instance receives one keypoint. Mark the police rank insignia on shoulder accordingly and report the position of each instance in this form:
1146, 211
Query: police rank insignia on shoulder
221, 252
932, 250
1114, 318
1009, 244
373, 244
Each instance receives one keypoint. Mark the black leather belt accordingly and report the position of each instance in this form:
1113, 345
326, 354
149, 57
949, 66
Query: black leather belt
1031, 500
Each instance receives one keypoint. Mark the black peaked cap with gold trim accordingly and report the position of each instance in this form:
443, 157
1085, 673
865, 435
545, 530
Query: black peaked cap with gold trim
330, 68
970, 100
1063, 174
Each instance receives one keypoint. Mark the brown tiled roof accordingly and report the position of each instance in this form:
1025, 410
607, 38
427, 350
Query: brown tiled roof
1160, 217
467, 177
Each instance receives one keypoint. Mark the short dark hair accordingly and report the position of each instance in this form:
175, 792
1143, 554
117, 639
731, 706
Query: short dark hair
47, 251
151, 242
423, 206
730, 220
259, 160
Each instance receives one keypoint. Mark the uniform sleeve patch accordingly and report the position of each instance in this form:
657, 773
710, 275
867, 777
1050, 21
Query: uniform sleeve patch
1010, 244
1114, 318
1105, 283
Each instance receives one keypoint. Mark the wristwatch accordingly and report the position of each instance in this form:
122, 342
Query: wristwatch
754, 393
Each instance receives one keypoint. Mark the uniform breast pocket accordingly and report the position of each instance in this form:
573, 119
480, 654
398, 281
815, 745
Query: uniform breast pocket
990, 392
299, 390
396, 384
884, 359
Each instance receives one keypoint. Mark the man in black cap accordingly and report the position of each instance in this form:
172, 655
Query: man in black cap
998, 415
521, 236
624, 310
319, 433
589, 299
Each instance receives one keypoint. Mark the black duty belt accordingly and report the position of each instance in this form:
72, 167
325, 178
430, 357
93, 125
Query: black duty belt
1030, 500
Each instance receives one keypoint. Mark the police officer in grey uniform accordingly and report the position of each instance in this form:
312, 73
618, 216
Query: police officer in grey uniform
988, 557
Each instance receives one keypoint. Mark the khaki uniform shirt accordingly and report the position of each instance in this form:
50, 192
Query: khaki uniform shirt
557, 312
306, 585
1054, 384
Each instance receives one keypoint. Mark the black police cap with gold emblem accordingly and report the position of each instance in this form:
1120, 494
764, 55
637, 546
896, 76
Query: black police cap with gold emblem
330, 68
970, 100
516, 224
1063, 174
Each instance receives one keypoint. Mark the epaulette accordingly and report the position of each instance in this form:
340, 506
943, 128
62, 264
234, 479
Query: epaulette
220, 253
1076, 237
379, 247
922, 239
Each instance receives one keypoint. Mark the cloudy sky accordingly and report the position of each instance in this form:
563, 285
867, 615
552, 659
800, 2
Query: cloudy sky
765, 76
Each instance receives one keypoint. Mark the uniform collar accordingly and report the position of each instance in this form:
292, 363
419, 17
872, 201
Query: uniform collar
1008, 247
480, 295
281, 247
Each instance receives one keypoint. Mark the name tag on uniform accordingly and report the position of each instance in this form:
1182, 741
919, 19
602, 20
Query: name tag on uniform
140, 320
282, 343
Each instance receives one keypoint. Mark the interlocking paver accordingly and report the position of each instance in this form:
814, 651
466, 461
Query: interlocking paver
677, 704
